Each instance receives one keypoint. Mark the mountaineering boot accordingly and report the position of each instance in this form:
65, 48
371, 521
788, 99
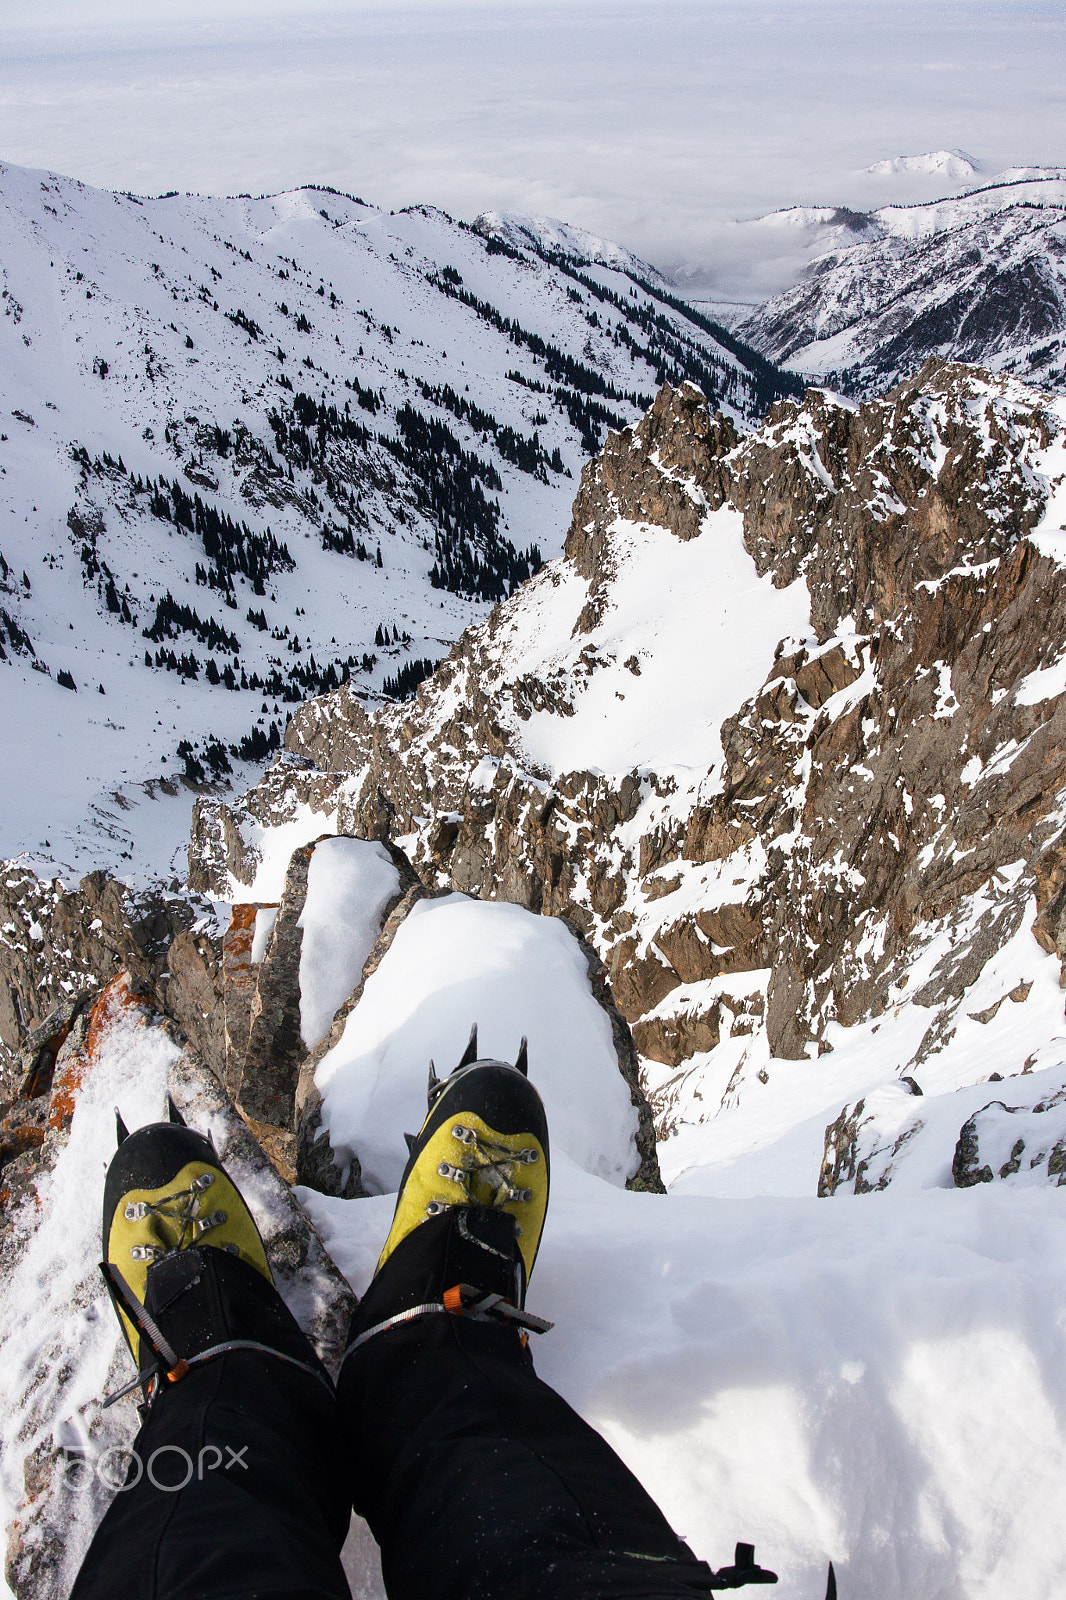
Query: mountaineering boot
472, 1201
467, 1466
183, 1259
236, 1481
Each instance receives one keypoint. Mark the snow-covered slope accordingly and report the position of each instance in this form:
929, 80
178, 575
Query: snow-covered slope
783, 736
251, 447
552, 236
977, 277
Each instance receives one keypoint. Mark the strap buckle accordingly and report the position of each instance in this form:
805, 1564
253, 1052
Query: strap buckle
175, 1367
742, 1572
462, 1300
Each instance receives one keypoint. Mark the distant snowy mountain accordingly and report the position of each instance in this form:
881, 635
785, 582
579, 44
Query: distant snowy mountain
954, 164
250, 448
980, 277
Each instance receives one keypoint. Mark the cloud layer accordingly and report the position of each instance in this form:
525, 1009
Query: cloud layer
653, 124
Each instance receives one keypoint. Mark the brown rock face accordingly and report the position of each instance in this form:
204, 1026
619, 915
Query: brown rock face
55, 942
238, 988
672, 1039
276, 1052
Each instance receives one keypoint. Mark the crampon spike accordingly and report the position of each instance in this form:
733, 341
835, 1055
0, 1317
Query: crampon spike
173, 1114
470, 1053
522, 1058
122, 1133
433, 1087
831, 1585
410, 1140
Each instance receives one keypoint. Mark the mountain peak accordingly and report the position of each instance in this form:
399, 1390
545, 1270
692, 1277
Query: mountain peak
939, 163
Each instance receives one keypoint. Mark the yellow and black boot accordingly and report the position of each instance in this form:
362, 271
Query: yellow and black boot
183, 1259
472, 1202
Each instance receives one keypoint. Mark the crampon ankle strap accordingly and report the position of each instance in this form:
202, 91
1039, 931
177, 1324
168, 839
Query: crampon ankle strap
459, 1301
173, 1368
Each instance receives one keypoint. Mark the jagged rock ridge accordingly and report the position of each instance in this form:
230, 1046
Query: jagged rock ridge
891, 777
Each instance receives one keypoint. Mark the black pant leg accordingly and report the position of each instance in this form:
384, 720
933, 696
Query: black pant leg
254, 1497
477, 1479
238, 1481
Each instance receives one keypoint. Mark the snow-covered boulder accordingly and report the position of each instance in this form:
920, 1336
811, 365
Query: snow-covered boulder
455, 962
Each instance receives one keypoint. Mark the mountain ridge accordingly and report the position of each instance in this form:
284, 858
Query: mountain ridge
976, 277
220, 484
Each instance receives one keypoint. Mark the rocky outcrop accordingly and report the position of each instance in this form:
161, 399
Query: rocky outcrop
1001, 1141
238, 986
219, 852
891, 770
275, 1050
860, 1154
335, 733
57, 943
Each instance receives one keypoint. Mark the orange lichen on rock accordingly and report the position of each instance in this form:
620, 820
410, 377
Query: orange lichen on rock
15, 1141
117, 999
242, 919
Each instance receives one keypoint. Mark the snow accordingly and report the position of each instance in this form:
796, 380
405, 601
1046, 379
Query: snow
828, 1381
454, 962
550, 233
1044, 684
264, 927
349, 884
702, 625
275, 844
1049, 536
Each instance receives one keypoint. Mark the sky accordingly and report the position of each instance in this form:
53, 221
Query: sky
656, 123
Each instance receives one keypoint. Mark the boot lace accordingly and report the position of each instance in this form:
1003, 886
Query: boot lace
177, 1215
489, 1172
